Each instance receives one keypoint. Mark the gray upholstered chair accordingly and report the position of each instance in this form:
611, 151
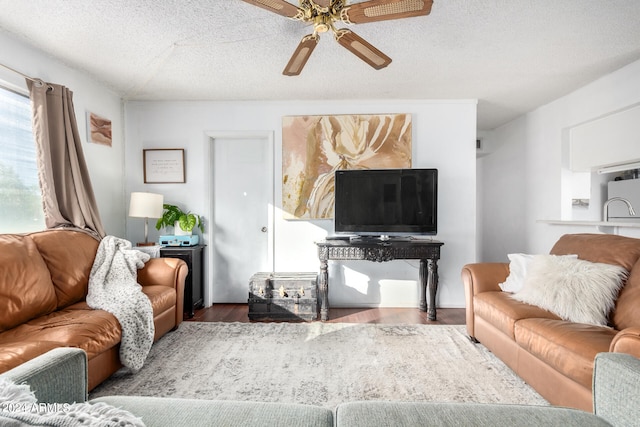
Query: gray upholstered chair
60, 376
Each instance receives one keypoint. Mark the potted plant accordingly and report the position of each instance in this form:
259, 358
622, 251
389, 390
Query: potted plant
173, 216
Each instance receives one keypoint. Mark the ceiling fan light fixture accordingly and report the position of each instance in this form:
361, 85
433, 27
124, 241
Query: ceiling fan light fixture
323, 14
322, 24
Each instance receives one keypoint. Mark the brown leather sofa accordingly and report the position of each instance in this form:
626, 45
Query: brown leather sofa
43, 284
554, 356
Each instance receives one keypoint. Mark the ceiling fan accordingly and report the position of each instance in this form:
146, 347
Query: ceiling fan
323, 14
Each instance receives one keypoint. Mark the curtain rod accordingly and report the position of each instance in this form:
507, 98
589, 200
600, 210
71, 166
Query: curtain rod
38, 82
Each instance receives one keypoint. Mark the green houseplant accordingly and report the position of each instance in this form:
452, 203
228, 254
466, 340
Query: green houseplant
173, 216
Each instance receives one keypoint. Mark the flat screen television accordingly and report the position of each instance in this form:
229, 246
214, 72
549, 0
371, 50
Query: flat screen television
386, 202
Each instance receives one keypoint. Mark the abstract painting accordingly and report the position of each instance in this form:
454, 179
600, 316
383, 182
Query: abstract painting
314, 147
98, 129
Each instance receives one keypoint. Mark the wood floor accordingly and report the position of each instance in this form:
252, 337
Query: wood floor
239, 313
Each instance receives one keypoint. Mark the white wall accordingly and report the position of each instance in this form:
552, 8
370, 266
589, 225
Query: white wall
522, 178
443, 137
105, 164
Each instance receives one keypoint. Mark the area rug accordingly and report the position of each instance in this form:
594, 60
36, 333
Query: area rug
322, 364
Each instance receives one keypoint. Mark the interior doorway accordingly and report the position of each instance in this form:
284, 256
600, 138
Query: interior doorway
242, 191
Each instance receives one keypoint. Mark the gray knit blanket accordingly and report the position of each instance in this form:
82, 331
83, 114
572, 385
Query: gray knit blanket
113, 287
19, 407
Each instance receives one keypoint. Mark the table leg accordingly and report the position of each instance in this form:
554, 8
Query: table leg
323, 288
433, 288
423, 284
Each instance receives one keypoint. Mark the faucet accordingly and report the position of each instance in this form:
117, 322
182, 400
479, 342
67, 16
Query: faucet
605, 213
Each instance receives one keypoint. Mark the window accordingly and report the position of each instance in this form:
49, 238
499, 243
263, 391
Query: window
20, 196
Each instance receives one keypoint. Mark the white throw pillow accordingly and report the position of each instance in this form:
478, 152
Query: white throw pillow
576, 290
518, 270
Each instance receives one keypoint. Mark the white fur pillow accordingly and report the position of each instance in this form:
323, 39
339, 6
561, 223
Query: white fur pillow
518, 266
576, 290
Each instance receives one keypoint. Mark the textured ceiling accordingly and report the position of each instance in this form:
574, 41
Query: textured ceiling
512, 55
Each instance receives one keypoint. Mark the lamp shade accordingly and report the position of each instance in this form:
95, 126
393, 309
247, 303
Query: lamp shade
146, 205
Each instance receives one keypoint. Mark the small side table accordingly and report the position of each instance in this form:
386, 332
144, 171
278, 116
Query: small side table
193, 285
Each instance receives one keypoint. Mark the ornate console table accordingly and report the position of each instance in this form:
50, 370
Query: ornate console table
427, 251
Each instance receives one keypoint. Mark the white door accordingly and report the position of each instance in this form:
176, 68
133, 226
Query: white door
242, 214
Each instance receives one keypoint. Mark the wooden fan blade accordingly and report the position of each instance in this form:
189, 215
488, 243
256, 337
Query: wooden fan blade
301, 55
381, 10
362, 49
281, 7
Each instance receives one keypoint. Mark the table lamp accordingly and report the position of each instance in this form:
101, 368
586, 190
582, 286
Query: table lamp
146, 205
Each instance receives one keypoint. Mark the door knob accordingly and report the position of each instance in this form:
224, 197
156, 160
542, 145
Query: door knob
263, 229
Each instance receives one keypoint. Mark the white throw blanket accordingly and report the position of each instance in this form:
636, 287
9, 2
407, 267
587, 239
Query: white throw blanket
113, 287
19, 407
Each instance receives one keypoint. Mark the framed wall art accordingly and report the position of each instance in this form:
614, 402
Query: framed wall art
98, 129
314, 147
163, 165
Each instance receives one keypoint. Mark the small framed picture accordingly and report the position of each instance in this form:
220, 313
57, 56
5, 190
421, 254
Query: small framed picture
163, 166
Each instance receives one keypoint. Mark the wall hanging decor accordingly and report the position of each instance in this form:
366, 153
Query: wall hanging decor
164, 165
314, 147
98, 129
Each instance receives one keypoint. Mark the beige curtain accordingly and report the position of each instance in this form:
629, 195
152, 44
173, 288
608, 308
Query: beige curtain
67, 194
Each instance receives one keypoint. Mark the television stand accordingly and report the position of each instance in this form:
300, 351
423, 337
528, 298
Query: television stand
427, 251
